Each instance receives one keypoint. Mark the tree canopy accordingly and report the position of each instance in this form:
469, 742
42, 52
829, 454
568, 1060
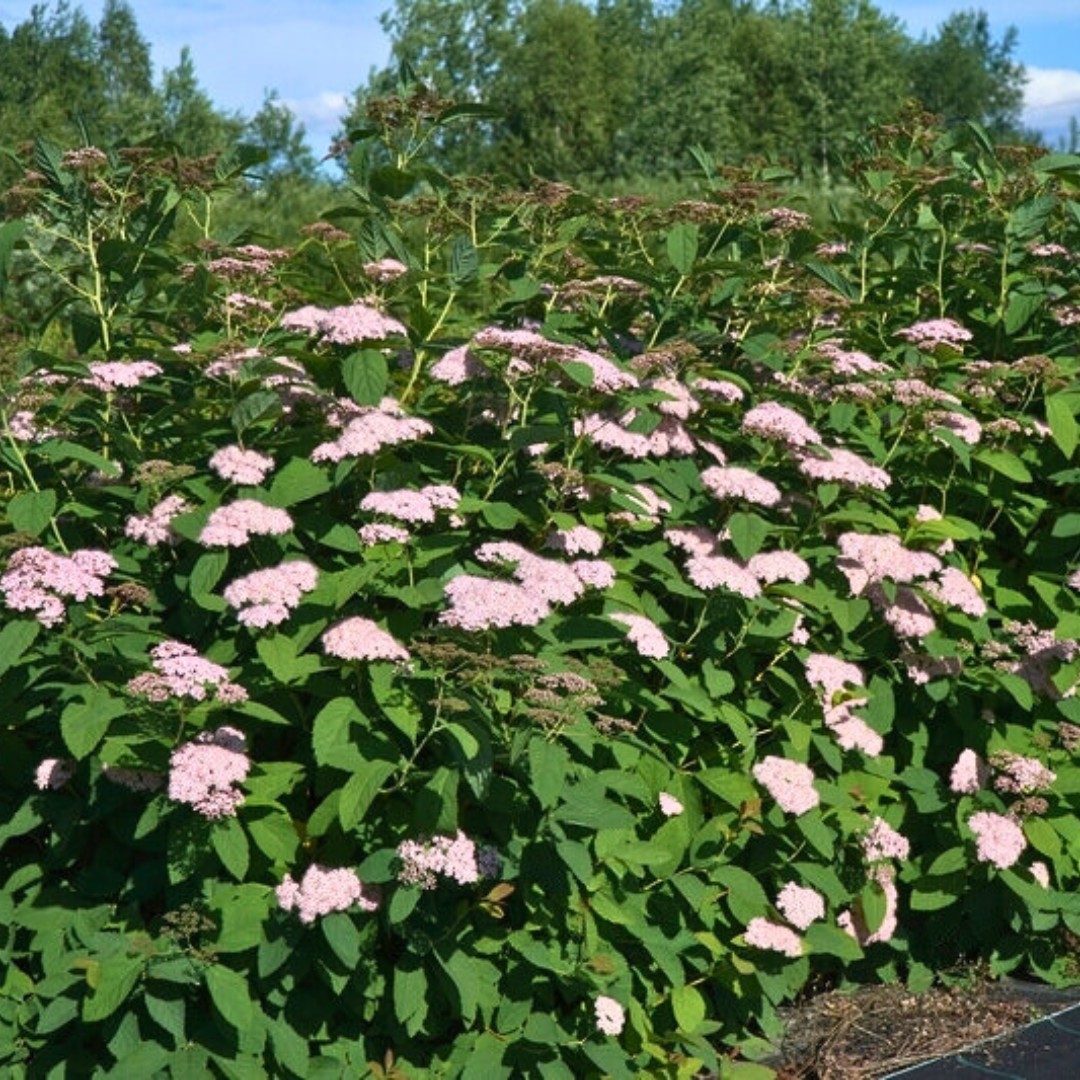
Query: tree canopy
628, 87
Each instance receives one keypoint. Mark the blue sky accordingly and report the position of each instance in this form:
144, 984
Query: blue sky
316, 52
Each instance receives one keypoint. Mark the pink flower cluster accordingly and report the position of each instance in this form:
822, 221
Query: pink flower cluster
928, 335
361, 639
790, 783
348, 324
998, 839
881, 842
454, 857
458, 366
614, 433
575, 541
969, 774
839, 466
202, 772
384, 270
180, 672
610, 1015
1019, 775
241, 466
378, 532
110, 375
835, 679
478, 603
855, 924
407, 504
799, 905
322, 890
368, 429
643, 634
778, 423
849, 363
267, 597
765, 934
733, 482
39, 581
156, 527
708, 569
53, 773
235, 524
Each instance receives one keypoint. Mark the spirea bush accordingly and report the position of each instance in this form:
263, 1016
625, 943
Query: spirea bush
526, 634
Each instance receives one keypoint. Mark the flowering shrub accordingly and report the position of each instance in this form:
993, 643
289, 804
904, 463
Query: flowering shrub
542, 654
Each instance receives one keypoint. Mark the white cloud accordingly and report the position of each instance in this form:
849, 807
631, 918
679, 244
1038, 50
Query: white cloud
1051, 96
319, 111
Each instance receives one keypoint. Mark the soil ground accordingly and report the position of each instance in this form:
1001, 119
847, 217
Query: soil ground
875, 1031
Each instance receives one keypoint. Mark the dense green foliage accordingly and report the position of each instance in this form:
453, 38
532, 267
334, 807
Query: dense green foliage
451, 388
586, 92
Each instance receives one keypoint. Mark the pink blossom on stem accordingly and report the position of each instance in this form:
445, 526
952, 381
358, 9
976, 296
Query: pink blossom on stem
110, 375
241, 466
323, 890
267, 597
233, 525
202, 773
998, 839
643, 634
39, 581
799, 905
156, 527
790, 783
610, 1015
969, 774
766, 934
669, 805
777, 422
361, 639
53, 773
881, 841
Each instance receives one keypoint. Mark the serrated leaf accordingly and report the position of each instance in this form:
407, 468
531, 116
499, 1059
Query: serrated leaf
682, 246
260, 405
1061, 416
748, 533
343, 937
549, 770
365, 375
31, 511
360, 791
231, 845
15, 638
116, 978
229, 993
689, 1008
1005, 463
297, 482
83, 724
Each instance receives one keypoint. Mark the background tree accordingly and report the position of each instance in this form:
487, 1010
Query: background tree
963, 74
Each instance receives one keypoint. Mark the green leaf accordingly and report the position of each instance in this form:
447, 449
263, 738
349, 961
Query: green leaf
1005, 463
343, 938
244, 910
297, 482
61, 450
228, 840
31, 511
83, 723
689, 1008
253, 408
1061, 416
229, 993
549, 769
682, 246
832, 941
15, 638
207, 572
748, 533
365, 375
330, 733
746, 898
360, 790
116, 978
275, 836
169, 1013
410, 996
